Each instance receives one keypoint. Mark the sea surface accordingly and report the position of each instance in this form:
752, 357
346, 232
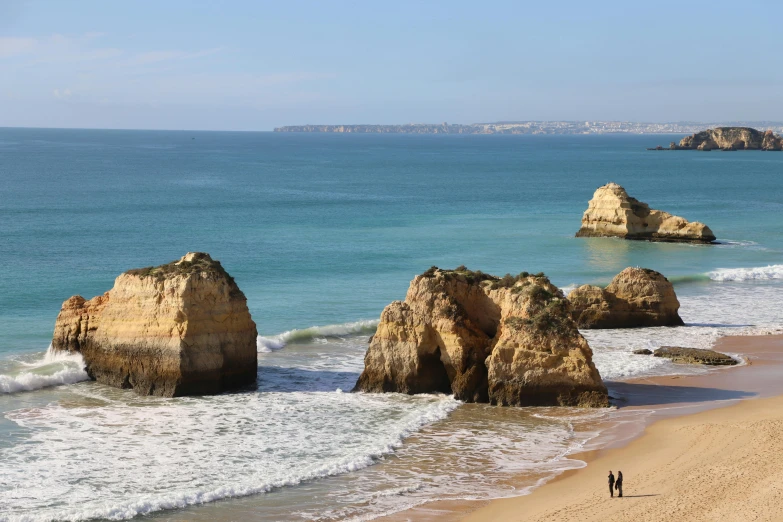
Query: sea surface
321, 231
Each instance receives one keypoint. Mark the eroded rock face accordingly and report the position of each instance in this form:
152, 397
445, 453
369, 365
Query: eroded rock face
695, 356
506, 341
731, 138
613, 213
636, 297
178, 329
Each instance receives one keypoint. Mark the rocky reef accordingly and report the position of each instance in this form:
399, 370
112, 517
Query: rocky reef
613, 213
506, 341
694, 356
730, 138
636, 297
177, 329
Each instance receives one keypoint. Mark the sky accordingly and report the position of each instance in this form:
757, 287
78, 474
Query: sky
255, 65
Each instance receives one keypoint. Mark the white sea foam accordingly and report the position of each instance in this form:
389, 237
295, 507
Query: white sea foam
53, 369
277, 342
762, 273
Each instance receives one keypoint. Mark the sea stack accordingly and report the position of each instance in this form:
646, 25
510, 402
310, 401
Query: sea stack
731, 138
182, 328
636, 297
506, 341
613, 213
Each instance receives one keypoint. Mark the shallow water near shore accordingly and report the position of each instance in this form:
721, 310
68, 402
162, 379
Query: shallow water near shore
321, 232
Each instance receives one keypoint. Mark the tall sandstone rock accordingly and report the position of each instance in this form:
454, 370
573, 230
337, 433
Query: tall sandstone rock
636, 297
613, 213
177, 329
731, 138
508, 341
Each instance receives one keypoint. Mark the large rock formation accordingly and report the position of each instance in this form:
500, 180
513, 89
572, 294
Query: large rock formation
635, 297
731, 138
176, 329
613, 213
508, 341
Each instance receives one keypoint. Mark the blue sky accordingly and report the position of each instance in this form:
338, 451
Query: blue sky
254, 65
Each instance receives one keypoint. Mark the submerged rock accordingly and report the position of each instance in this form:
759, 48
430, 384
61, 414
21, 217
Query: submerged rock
643, 351
732, 138
508, 341
613, 213
636, 297
695, 356
177, 329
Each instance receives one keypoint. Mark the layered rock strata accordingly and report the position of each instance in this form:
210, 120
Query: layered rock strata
636, 297
613, 213
506, 341
695, 356
177, 329
731, 138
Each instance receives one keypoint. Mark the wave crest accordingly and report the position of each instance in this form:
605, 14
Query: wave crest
762, 273
277, 342
54, 369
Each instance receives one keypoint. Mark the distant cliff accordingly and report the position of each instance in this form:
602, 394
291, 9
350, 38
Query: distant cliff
729, 138
530, 127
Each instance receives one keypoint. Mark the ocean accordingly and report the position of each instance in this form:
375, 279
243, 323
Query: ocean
321, 231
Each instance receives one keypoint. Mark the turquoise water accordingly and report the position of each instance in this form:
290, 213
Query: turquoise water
325, 230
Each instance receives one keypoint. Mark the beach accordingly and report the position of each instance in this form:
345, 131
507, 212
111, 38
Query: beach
705, 453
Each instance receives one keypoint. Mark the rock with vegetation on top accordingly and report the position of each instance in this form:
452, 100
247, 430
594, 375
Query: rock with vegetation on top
636, 297
613, 213
731, 138
695, 356
507, 341
177, 329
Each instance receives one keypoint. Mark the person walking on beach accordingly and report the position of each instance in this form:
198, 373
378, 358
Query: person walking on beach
619, 484
611, 484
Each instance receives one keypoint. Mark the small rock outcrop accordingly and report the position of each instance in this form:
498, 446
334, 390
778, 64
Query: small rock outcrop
642, 351
506, 341
731, 138
613, 213
636, 297
694, 356
177, 329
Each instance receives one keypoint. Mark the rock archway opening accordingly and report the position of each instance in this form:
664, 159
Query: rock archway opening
431, 366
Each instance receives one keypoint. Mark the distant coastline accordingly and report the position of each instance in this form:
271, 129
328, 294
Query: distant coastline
535, 127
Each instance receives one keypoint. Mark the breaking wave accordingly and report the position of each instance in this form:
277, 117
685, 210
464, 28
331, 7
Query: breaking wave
277, 342
54, 369
762, 273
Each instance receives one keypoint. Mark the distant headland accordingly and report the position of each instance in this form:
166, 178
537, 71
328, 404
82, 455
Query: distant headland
533, 127
729, 139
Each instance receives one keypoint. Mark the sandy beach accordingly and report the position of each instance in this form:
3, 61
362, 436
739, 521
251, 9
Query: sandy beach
703, 454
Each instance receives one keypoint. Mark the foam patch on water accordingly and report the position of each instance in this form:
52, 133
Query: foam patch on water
763, 273
278, 342
54, 369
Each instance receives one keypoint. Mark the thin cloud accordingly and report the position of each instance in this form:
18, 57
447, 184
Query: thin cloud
11, 46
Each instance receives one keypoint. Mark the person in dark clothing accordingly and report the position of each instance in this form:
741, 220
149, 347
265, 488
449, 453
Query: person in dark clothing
611, 484
619, 483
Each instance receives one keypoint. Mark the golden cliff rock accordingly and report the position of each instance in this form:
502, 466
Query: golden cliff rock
636, 297
507, 341
613, 213
177, 329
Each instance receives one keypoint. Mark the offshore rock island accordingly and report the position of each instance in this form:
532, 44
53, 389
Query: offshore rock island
530, 127
728, 139
177, 329
508, 341
613, 213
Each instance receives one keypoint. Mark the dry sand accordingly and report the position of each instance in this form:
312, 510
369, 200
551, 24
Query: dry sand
718, 464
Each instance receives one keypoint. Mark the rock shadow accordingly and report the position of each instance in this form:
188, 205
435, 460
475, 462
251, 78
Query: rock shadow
285, 380
626, 394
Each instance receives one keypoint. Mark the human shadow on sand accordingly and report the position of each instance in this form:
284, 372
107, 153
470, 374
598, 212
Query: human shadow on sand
640, 394
286, 380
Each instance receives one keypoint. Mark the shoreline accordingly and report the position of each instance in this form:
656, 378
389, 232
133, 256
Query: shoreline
672, 403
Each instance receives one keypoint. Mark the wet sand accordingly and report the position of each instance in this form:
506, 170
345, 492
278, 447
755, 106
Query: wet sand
690, 449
